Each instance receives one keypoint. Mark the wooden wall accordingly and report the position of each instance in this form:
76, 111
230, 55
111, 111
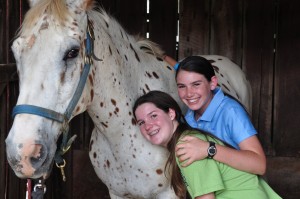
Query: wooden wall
263, 37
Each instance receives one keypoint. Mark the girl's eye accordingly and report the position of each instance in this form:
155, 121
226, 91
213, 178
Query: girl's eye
180, 86
140, 123
153, 116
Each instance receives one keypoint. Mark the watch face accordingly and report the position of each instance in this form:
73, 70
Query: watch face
212, 150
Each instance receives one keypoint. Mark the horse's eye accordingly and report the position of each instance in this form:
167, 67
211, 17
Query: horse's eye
71, 54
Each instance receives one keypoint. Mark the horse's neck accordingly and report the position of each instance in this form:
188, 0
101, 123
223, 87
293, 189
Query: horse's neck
125, 73
112, 98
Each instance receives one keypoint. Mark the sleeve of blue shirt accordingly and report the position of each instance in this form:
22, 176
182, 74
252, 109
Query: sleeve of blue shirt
238, 124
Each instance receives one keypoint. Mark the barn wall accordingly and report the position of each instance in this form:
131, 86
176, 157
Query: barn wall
286, 80
258, 61
263, 37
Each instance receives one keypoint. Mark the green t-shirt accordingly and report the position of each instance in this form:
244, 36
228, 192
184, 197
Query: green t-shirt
207, 175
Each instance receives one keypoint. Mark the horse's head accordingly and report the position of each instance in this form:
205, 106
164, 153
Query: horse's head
49, 52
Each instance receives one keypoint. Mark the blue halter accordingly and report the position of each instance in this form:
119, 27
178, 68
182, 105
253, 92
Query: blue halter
53, 115
59, 117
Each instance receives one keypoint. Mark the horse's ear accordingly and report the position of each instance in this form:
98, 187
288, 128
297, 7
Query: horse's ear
33, 2
82, 4
89, 4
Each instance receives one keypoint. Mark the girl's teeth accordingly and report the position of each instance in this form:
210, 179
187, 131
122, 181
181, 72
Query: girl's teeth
153, 132
193, 100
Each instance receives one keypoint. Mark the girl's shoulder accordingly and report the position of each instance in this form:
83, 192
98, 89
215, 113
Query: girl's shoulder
230, 103
231, 107
201, 135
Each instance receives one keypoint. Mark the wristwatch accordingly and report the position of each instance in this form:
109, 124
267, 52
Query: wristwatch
212, 150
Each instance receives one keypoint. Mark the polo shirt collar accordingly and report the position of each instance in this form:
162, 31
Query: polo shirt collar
213, 105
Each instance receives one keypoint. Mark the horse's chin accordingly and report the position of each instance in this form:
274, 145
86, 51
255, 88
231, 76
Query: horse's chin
40, 173
43, 176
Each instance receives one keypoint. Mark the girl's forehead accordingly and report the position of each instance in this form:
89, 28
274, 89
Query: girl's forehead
145, 108
189, 76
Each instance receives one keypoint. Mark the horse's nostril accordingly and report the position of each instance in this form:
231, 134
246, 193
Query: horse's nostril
38, 155
35, 161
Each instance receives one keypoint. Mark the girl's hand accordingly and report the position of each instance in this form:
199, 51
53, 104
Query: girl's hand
170, 60
206, 196
191, 149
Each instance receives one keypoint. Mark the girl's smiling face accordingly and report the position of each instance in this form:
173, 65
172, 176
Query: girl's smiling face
156, 125
195, 90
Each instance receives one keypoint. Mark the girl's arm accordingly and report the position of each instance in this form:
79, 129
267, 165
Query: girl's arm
206, 196
170, 60
249, 158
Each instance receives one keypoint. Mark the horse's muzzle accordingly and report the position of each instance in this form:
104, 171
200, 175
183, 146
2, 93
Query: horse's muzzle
26, 159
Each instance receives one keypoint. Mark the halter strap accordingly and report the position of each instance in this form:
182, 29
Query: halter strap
36, 110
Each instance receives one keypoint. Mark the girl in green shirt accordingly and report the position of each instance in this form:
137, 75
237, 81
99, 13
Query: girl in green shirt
161, 122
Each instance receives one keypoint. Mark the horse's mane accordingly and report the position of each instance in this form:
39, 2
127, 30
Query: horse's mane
150, 47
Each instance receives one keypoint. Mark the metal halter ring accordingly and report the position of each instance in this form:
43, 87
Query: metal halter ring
39, 186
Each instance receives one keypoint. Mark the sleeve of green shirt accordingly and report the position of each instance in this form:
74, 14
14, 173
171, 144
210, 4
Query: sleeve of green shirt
202, 177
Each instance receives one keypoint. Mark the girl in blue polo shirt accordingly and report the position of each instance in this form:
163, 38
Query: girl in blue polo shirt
212, 111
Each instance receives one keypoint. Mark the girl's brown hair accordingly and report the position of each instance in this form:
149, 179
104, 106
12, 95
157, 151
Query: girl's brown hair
165, 102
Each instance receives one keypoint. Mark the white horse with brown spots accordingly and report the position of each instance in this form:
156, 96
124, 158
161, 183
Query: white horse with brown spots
60, 78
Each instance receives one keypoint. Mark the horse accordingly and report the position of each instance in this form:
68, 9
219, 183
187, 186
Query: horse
72, 57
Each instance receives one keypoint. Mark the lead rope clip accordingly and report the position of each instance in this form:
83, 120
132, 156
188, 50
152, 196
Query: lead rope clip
61, 167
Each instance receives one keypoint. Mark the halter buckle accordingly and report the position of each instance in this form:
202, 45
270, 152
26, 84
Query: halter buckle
88, 59
40, 185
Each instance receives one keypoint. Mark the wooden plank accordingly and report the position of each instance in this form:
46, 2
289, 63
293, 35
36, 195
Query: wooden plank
130, 14
226, 29
2, 33
3, 163
8, 73
16, 11
194, 25
163, 24
283, 175
80, 127
258, 58
287, 73
84, 175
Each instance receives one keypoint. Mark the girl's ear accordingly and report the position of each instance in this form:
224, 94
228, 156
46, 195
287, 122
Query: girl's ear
213, 82
172, 114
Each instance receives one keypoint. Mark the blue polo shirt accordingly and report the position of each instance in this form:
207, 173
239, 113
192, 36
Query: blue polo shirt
225, 118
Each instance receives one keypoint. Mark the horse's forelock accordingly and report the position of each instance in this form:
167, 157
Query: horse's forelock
56, 8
